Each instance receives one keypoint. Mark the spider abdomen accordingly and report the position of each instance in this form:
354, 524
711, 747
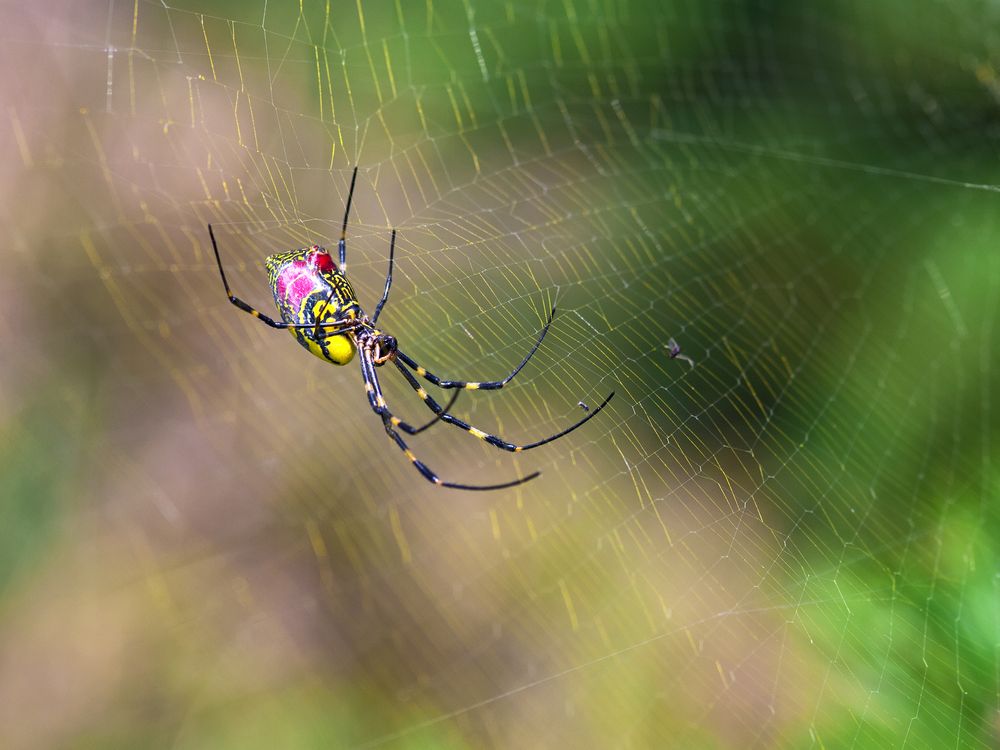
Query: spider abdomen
308, 289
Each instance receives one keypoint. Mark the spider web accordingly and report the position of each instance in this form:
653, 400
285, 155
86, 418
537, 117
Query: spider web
785, 544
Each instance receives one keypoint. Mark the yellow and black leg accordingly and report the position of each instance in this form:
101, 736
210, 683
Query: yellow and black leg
337, 325
484, 436
488, 385
377, 402
342, 245
437, 417
388, 280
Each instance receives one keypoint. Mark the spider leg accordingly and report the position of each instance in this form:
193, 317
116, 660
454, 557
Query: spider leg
490, 385
388, 280
378, 405
382, 409
252, 310
491, 439
439, 413
437, 417
342, 245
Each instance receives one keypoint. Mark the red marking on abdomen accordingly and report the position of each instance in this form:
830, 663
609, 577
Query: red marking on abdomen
324, 262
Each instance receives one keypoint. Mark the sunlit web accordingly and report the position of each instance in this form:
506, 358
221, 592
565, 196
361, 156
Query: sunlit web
785, 544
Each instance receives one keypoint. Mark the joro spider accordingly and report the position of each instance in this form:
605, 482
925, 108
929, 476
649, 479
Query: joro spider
319, 308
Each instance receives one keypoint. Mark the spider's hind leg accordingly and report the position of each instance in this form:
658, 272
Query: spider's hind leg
342, 245
388, 280
247, 308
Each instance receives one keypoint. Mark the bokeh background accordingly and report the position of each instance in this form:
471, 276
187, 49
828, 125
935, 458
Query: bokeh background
207, 540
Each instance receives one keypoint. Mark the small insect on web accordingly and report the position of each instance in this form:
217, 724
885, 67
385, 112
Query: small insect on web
319, 307
674, 352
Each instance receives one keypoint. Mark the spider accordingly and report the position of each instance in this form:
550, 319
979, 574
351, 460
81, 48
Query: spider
320, 309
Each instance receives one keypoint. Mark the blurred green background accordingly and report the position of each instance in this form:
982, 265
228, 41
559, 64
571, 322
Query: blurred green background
207, 540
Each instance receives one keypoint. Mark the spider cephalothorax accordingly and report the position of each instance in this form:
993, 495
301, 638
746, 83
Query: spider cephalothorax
380, 346
319, 307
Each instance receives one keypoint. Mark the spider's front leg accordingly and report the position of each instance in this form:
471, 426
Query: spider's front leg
485, 385
493, 440
389, 422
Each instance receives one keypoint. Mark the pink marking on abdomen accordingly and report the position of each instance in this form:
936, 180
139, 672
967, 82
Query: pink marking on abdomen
296, 281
